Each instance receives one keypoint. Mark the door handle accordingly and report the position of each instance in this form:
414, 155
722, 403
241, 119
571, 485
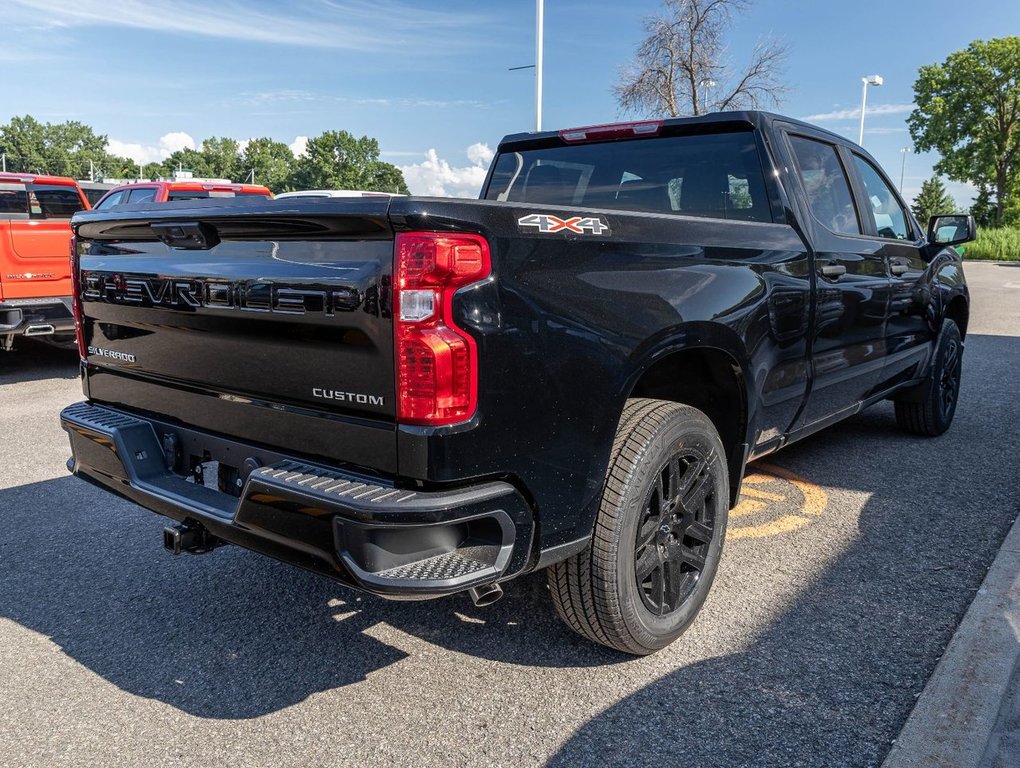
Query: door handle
898, 268
833, 270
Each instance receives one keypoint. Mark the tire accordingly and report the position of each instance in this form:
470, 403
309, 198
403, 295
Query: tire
663, 451
931, 407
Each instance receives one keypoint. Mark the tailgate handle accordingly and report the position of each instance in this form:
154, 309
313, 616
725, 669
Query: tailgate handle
187, 235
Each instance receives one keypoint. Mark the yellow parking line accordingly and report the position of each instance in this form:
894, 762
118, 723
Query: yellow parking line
754, 500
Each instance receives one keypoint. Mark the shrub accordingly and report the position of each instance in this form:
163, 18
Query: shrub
994, 244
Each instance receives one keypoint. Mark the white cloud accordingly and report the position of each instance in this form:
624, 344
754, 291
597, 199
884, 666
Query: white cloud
299, 145
173, 142
437, 178
146, 153
137, 152
848, 114
347, 24
480, 154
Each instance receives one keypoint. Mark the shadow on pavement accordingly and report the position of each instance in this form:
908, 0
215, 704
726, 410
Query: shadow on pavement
231, 634
831, 680
32, 360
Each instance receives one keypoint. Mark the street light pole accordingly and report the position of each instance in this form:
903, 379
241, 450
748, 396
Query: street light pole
865, 82
539, 30
903, 165
706, 84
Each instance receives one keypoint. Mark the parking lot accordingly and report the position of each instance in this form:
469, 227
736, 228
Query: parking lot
851, 559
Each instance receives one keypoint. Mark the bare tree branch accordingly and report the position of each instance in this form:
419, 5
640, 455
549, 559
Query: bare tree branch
680, 67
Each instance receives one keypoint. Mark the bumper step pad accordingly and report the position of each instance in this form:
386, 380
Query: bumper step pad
438, 568
406, 543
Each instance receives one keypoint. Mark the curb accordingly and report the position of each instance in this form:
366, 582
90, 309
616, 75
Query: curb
967, 714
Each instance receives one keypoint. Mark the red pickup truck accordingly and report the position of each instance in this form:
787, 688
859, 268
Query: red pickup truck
167, 191
35, 267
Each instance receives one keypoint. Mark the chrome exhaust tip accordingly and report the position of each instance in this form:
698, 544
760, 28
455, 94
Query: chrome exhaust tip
39, 330
487, 595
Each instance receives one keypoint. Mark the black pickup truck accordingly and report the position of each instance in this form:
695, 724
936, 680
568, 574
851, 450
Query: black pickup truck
421, 396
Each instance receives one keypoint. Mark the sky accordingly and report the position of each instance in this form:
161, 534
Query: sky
432, 80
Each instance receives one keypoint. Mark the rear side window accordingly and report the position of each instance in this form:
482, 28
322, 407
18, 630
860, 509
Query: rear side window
13, 200
53, 202
826, 185
115, 198
142, 195
715, 175
886, 213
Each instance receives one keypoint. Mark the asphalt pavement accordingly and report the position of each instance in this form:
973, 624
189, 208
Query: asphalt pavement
852, 561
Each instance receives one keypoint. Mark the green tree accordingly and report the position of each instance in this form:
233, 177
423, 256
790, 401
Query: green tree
222, 158
62, 149
23, 143
932, 199
968, 109
337, 160
983, 209
272, 161
186, 159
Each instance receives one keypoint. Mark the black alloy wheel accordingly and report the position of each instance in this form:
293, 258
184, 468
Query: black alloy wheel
675, 534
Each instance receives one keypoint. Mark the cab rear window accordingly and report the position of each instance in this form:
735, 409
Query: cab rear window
714, 175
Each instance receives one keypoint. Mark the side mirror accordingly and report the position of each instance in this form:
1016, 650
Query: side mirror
951, 229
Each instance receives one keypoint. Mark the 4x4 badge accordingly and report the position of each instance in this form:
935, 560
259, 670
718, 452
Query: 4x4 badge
547, 224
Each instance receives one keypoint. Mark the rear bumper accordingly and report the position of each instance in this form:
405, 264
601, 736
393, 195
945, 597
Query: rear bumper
36, 317
366, 532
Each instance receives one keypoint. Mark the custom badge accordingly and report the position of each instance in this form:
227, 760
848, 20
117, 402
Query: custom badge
548, 224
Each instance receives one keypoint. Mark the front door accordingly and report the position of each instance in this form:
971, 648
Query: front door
910, 328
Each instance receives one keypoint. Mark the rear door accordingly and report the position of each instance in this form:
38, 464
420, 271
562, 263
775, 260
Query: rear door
37, 263
852, 287
273, 327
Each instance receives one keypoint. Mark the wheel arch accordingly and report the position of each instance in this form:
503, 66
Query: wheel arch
701, 367
958, 310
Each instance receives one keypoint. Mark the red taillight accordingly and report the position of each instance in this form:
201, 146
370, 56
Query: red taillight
611, 131
79, 321
436, 362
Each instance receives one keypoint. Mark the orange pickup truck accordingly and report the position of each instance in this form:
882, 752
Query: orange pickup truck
35, 267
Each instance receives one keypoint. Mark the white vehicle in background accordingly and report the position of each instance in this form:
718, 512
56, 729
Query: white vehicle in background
335, 193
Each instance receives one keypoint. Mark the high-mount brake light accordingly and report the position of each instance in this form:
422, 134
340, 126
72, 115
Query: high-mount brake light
611, 131
76, 307
436, 362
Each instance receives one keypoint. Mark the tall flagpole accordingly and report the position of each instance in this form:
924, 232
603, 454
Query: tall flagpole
539, 23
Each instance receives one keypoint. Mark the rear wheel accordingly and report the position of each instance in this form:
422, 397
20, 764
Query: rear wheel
658, 534
930, 409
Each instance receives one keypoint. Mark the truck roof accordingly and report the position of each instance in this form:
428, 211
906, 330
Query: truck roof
749, 118
37, 178
200, 186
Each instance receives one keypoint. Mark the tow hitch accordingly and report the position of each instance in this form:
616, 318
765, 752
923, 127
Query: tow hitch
189, 538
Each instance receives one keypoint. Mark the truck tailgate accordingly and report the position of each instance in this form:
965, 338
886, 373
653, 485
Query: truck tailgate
264, 321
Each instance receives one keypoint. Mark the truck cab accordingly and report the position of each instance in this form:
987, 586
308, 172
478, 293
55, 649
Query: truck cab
169, 191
